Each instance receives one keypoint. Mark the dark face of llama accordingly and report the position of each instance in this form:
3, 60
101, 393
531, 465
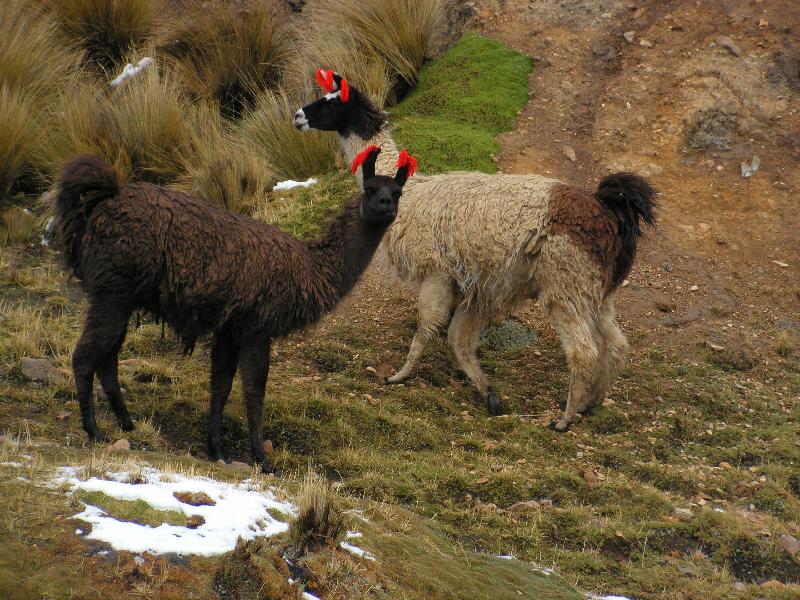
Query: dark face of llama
381, 196
343, 109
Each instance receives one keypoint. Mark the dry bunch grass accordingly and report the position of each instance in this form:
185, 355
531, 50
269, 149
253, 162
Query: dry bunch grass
108, 29
320, 521
400, 33
229, 52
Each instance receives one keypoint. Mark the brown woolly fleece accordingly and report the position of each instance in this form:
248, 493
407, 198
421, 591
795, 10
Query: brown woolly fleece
203, 271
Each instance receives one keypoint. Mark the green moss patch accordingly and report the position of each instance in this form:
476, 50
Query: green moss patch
463, 100
134, 511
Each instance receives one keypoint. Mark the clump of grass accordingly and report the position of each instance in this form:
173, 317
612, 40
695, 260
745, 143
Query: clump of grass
18, 140
108, 29
36, 64
16, 225
269, 131
225, 172
463, 100
400, 32
147, 129
132, 511
231, 52
320, 521
783, 344
254, 571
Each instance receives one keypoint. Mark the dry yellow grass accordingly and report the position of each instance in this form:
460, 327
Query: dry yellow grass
320, 521
230, 52
108, 29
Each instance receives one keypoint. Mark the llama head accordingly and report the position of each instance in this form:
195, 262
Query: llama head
343, 109
381, 195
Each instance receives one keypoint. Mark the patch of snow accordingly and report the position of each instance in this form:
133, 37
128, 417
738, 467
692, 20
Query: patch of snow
355, 550
291, 183
307, 596
593, 597
353, 534
11, 464
240, 510
131, 71
506, 556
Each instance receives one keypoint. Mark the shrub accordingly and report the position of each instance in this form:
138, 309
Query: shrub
230, 53
107, 29
268, 129
18, 138
400, 32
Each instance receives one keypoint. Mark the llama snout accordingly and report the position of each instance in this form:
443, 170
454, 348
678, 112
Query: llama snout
300, 120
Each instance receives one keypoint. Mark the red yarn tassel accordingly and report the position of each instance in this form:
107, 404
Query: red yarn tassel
361, 157
344, 95
325, 79
406, 159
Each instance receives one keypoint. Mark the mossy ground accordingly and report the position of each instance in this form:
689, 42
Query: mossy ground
462, 102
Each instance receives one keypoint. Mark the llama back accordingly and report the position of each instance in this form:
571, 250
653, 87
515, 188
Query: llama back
477, 234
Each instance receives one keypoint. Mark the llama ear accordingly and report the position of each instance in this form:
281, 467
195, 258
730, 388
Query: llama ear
366, 160
406, 166
325, 79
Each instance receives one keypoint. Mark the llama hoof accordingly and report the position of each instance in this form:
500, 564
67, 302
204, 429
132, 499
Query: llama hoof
127, 425
561, 426
393, 379
95, 435
494, 405
267, 468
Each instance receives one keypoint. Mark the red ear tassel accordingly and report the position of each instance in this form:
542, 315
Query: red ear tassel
362, 156
325, 79
406, 159
344, 96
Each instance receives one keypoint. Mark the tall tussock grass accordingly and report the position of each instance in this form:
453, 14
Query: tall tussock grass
108, 29
229, 52
269, 131
146, 128
18, 141
400, 32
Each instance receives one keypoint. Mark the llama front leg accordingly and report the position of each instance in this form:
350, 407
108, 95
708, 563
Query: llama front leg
465, 328
435, 302
96, 351
224, 358
582, 356
254, 370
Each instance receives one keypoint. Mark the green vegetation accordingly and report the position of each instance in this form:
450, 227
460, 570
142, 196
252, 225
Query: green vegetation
134, 511
462, 102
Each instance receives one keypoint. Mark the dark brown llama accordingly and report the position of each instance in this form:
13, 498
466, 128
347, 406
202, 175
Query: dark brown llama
205, 272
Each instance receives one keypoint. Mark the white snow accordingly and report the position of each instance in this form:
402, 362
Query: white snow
355, 550
240, 510
593, 597
11, 464
131, 71
291, 183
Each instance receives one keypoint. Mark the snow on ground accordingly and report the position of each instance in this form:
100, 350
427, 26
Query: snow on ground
593, 597
131, 71
240, 510
291, 183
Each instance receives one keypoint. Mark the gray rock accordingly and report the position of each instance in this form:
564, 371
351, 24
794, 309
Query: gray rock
684, 514
41, 371
723, 41
122, 445
790, 544
629, 36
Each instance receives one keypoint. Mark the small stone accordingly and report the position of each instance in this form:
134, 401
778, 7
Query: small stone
790, 544
522, 461
194, 498
122, 445
268, 448
782, 265
739, 587
239, 465
569, 152
497, 467
683, 514
725, 465
641, 120
689, 570
489, 446
195, 521
773, 584
41, 371
608, 402
521, 507
763, 23
63, 416
645, 43
488, 509
482, 481
629, 36
591, 479
714, 346
372, 370
626, 283
723, 41
694, 288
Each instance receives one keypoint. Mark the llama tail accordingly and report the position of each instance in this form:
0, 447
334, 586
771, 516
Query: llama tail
85, 182
632, 199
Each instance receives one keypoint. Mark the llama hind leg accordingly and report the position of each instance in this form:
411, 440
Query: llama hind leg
254, 370
95, 352
613, 351
434, 303
109, 380
224, 358
575, 331
463, 334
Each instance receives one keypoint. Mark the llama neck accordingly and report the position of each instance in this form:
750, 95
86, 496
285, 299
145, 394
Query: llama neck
352, 144
342, 254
